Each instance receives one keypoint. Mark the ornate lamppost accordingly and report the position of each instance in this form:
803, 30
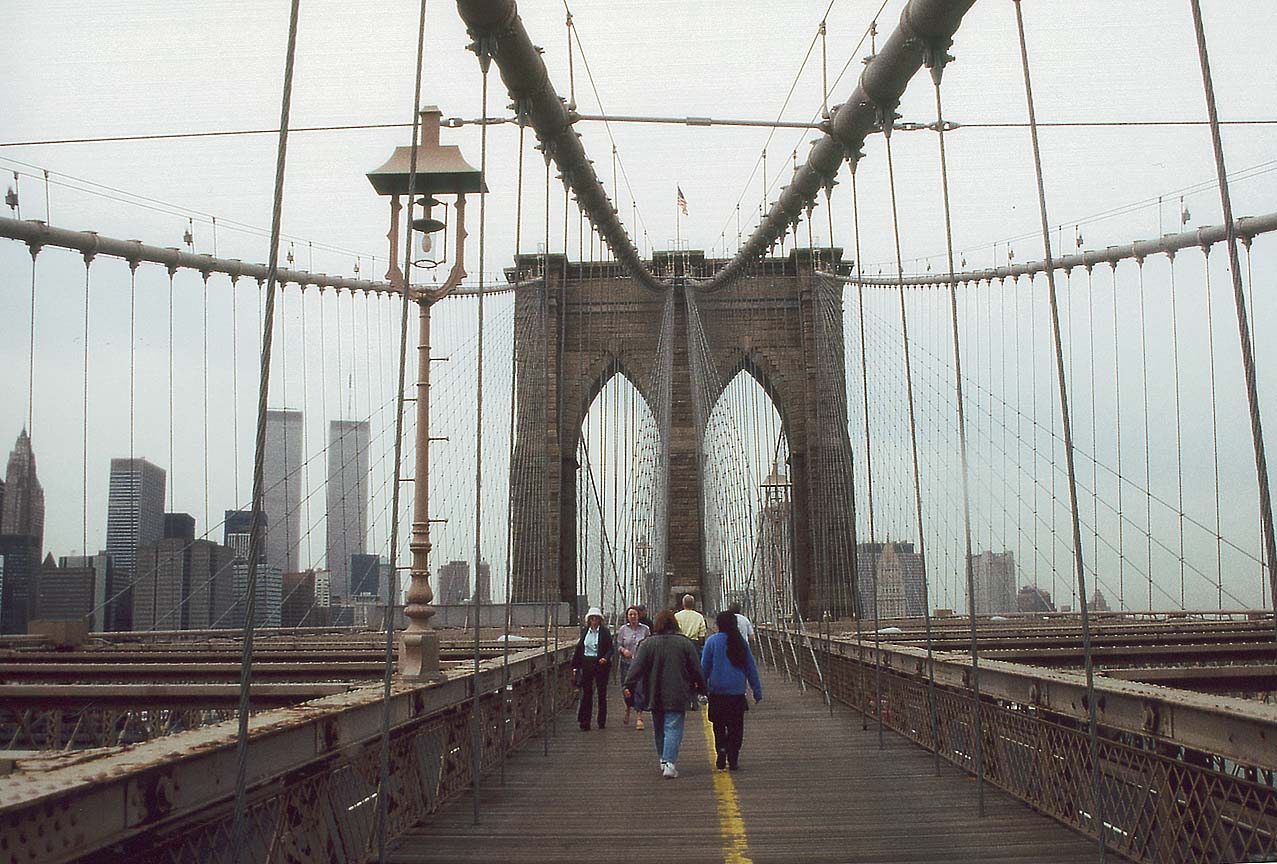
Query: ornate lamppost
440, 170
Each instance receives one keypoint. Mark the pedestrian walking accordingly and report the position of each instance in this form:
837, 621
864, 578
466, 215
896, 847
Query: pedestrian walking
591, 664
692, 623
667, 673
729, 665
644, 618
743, 624
628, 638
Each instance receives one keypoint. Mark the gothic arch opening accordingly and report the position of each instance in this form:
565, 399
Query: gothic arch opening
620, 538
747, 500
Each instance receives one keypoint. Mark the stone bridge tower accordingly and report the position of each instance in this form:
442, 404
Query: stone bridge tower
584, 323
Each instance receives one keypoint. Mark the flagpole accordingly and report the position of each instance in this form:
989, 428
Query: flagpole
678, 222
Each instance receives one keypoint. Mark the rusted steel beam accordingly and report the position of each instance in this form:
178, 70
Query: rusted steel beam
174, 782
1249, 678
1237, 729
325, 670
129, 697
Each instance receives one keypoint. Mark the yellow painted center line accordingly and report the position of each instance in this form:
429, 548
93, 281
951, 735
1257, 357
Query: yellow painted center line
731, 825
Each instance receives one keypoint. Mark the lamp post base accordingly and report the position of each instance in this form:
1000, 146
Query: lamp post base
419, 656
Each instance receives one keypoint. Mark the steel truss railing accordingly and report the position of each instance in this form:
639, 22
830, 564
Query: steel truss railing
1185, 778
312, 775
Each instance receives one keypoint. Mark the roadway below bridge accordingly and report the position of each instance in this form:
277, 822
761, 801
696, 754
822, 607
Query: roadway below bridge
812, 788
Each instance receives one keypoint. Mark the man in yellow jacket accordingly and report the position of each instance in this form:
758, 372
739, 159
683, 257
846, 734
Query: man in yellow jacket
692, 623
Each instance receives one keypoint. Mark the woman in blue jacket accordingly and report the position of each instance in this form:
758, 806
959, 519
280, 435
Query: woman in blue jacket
729, 666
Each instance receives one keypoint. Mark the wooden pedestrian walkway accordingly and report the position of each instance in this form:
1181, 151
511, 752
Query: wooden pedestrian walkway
812, 788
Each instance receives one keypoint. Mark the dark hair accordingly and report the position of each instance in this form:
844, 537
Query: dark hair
665, 622
737, 648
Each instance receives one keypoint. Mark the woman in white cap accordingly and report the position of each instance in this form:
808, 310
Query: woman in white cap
591, 664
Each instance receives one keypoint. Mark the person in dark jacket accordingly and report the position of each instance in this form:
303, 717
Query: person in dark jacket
591, 665
729, 665
667, 672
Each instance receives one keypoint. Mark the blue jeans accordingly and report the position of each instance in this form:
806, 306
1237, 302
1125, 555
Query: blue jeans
668, 728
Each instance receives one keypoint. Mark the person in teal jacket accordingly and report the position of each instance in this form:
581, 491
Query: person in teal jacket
729, 665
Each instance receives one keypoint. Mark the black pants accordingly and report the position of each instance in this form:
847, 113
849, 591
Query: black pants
593, 679
727, 713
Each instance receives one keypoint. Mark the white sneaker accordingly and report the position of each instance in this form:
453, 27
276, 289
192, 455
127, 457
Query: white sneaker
669, 772
661, 766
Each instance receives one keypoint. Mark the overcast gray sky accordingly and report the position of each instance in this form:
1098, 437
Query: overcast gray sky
123, 68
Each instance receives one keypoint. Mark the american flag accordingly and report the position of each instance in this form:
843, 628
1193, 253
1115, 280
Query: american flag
682, 202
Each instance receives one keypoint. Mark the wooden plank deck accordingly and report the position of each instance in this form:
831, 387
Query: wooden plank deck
811, 789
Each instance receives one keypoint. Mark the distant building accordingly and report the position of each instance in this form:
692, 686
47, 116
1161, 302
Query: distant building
21, 537
211, 581
485, 582
179, 526
363, 607
1099, 603
134, 518
347, 499
282, 487
270, 584
365, 572
100, 564
64, 593
183, 585
454, 583
1031, 598
900, 574
994, 576
298, 608
269, 596
22, 509
19, 570
323, 589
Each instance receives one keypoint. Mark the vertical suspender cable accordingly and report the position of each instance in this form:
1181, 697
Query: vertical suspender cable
869, 472
35, 250
1239, 302
1148, 462
84, 408
547, 709
913, 422
208, 526
172, 472
938, 59
485, 60
1097, 814
514, 377
241, 852
392, 595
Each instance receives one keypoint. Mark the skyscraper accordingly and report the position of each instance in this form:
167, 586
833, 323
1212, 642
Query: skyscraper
23, 508
21, 537
994, 576
347, 494
269, 595
190, 586
454, 583
134, 518
365, 572
282, 487
899, 574
63, 593
100, 565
